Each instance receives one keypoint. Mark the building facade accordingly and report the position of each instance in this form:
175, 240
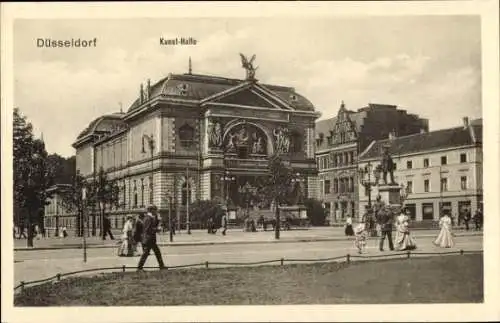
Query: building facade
197, 137
56, 213
441, 171
338, 143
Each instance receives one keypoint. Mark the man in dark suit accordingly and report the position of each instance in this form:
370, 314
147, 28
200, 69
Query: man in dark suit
106, 226
385, 221
149, 237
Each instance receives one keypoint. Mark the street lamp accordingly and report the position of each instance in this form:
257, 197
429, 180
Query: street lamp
366, 182
171, 227
151, 144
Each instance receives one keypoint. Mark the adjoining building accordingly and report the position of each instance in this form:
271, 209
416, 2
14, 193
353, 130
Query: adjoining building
338, 143
441, 171
198, 137
56, 213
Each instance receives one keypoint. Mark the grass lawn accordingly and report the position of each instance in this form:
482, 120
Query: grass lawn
439, 279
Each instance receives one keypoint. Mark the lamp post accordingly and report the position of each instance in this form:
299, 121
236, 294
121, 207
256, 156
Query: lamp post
151, 144
170, 226
367, 184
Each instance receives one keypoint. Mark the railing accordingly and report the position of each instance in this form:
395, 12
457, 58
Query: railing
348, 259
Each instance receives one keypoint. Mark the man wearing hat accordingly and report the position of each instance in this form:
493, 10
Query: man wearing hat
149, 237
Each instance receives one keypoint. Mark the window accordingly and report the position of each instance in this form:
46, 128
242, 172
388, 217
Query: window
395, 165
124, 194
409, 164
186, 135
463, 183
353, 209
463, 158
444, 160
351, 184
142, 192
335, 185
444, 184
135, 193
426, 162
427, 211
409, 187
426, 185
327, 186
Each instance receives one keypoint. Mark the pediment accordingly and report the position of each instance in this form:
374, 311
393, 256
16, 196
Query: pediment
249, 96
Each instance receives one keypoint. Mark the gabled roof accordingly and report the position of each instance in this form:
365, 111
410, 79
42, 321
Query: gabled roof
427, 141
199, 87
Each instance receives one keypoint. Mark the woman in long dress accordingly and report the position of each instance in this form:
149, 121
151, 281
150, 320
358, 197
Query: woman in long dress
445, 237
404, 240
348, 226
126, 248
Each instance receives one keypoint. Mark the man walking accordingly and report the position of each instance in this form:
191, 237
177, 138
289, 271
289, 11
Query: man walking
106, 227
224, 224
467, 219
385, 217
149, 238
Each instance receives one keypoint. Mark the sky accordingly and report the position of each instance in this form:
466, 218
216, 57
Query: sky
428, 65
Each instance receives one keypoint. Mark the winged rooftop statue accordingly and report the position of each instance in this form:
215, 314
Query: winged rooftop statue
248, 66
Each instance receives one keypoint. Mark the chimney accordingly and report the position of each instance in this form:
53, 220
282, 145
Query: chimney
466, 122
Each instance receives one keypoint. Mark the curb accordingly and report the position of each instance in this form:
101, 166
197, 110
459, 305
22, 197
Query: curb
237, 242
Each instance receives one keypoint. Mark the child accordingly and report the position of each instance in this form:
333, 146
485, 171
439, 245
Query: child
361, 236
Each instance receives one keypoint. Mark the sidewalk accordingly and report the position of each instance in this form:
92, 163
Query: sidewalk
201, 237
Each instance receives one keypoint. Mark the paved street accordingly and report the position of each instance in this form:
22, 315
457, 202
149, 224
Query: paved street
38, 264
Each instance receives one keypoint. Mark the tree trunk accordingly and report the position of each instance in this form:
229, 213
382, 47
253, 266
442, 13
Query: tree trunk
278, 222
94, 225
30, 229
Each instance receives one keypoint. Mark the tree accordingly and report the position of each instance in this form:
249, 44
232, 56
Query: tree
73, 201
315, 211
64, 168
32, 176
104, 192
277, 187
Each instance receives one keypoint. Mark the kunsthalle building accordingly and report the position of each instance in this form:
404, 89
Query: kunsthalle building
194, 137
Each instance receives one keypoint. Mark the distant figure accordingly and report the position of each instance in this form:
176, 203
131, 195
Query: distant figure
224, 224
361, 236
149, 238
478, 219
445, 237
348, 226
467, 219
64, 232
385, 218
106, 227
404, 241
138, 231
126, 248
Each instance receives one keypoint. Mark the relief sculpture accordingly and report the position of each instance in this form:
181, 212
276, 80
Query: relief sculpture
282, 140
214, 134
245, 137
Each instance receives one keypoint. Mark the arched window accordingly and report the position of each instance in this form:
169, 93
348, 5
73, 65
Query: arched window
186, 136
135, 193
142, 192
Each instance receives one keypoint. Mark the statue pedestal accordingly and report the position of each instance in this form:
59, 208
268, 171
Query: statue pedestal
390, 194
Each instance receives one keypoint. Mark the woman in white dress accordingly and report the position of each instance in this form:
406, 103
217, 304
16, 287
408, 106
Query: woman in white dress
126, 248
404, 240
445, 237
348, 226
